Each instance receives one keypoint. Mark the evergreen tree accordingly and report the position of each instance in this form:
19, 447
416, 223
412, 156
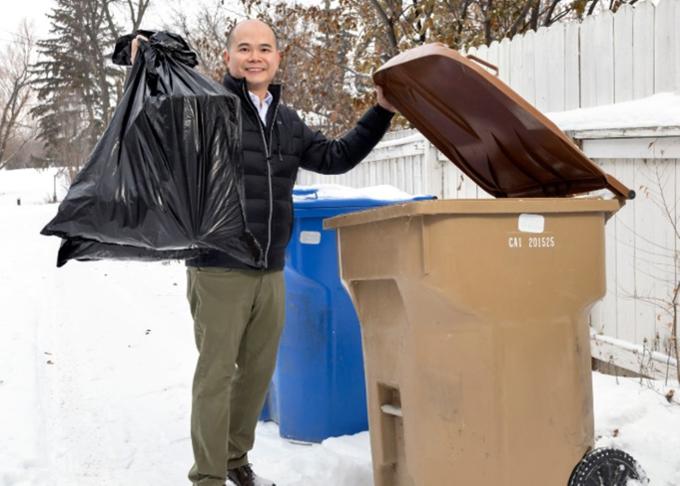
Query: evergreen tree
76, 83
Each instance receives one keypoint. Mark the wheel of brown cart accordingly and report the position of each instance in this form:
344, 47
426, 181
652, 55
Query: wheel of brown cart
607, 467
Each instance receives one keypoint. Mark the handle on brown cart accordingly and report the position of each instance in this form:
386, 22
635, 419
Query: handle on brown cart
484, 63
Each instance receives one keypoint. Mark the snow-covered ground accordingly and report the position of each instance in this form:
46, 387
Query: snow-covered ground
29, 186
96, 362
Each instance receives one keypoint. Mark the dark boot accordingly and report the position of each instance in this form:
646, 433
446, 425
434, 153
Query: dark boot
244, 476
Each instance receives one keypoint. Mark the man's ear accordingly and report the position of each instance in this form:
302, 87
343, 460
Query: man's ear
225, 56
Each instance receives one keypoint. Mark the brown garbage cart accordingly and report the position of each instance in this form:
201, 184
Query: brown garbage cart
474, 313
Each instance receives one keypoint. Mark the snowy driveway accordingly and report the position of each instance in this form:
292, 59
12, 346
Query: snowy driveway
96, 361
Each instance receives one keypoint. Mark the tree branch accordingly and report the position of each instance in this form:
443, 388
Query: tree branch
548, 20
592, 7
518, 21
389, 27
16, 76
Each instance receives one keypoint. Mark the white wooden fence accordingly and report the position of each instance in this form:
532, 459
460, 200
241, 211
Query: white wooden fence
633, 323
607, 58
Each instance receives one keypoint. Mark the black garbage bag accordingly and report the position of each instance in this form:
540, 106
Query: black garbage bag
165, 179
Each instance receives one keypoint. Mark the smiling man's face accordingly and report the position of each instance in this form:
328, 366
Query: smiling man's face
252, 54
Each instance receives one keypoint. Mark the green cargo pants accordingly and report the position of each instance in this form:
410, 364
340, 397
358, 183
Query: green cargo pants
238, 317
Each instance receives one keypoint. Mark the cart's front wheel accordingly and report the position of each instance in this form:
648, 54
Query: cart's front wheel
607, 467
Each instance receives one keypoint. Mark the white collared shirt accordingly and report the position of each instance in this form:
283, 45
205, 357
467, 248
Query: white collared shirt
262, 105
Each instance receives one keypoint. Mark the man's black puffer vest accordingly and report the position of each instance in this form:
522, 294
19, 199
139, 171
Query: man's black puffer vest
272, 155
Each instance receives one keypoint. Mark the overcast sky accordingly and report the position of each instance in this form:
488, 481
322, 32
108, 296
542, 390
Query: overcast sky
13, 11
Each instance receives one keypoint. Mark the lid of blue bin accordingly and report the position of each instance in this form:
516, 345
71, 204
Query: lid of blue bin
314, 198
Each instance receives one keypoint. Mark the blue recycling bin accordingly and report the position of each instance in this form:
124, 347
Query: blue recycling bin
318, 388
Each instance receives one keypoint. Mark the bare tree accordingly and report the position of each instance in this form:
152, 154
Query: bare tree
15, 93
207, 33
465, 23
663, 266
331, 48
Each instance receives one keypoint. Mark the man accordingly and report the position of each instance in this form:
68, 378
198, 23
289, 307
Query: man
238, 311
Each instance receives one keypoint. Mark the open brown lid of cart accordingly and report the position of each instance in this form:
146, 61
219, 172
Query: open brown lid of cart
490, 132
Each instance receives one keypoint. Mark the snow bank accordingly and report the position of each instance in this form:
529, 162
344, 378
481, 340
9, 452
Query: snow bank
336, 191
634, 415
31, 186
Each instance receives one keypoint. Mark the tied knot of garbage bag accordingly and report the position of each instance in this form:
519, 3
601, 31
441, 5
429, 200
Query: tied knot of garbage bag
160, 49
164, 43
